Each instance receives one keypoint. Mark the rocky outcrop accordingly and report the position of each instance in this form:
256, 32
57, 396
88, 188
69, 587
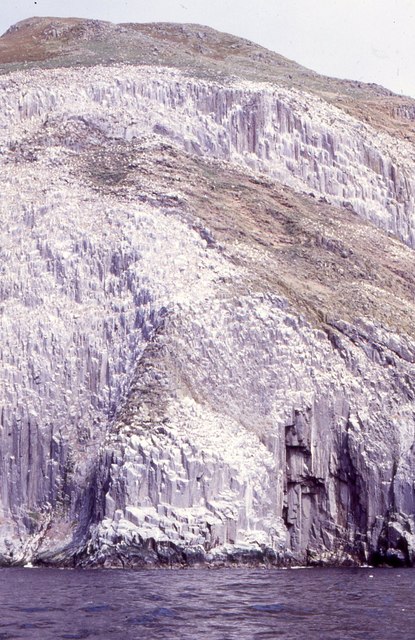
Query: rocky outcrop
294, 137
199, 364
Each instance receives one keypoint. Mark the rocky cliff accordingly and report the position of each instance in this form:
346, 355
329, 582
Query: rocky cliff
207, 303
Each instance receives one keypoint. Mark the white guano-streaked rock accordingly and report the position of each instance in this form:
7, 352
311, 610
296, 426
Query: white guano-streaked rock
156, 404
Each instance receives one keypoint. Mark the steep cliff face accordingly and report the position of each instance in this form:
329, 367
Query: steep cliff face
207, 321
292, 136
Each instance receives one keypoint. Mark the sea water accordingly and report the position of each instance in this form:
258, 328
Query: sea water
218, 604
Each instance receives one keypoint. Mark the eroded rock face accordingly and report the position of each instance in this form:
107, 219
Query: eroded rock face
168, 392
295, 137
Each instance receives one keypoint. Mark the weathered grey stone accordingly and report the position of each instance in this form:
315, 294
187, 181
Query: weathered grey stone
199, 364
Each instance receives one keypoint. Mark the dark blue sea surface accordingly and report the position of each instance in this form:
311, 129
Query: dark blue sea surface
220, 604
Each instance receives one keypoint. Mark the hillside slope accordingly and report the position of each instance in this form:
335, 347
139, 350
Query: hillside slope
207, 303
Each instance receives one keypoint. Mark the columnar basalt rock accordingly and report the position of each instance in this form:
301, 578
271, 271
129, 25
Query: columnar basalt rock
207, 348
293, 136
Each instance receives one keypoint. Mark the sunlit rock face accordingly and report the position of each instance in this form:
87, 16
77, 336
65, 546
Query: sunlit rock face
199, 364
293, 136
